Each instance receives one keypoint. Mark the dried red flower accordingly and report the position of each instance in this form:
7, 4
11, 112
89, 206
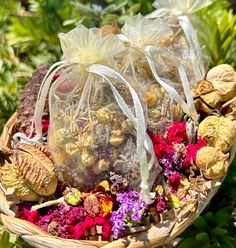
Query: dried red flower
177, 133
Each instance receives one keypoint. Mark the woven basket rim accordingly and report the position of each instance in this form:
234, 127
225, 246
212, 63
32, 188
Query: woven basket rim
158, 234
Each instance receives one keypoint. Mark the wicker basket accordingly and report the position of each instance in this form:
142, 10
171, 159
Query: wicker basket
156, 235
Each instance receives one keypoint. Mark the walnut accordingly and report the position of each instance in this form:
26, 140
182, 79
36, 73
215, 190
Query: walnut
206, 97
218, 132
223, 78
212, 162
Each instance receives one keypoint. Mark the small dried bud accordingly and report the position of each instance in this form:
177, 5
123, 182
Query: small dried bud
117, 138
127, 125
151, 99
88, 158
104, 115
103, 165
72, 149
72, 197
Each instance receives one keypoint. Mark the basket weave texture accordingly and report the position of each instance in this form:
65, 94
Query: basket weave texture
156, 235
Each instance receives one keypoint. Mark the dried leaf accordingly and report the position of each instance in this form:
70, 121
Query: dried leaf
218, 132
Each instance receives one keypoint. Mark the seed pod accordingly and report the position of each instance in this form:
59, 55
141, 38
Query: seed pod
30, 172
218, 132
212, 162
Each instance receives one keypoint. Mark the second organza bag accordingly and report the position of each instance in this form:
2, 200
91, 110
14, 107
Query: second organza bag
97, 122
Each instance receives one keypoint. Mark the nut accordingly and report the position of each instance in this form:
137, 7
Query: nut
218, 132
223, 79
212, 162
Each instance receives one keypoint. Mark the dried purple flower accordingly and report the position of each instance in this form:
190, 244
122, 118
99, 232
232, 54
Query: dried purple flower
129, 214
118, 183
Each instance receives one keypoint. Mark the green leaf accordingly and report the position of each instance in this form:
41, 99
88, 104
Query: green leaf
222, 216
189, 243
202, 237
200, 223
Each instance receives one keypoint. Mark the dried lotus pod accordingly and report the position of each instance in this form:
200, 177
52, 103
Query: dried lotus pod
218, 132
212, 162
30, 172
223, 78
206, 98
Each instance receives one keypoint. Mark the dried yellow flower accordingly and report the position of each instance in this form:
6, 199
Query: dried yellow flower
103, 165
218, 132
223, 78
117, 138
127, 125
150, 98
212, 162
104, 115
88, 158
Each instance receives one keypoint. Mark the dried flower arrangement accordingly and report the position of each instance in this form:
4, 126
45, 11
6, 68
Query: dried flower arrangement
127, 149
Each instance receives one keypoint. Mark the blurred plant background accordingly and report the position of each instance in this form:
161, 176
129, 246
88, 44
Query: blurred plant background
28, 38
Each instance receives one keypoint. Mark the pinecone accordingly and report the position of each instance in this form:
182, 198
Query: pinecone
28, 98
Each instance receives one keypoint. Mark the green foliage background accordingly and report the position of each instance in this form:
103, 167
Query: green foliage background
28, 38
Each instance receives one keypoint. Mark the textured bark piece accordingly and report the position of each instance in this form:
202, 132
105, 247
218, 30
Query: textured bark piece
28, 98
30, 172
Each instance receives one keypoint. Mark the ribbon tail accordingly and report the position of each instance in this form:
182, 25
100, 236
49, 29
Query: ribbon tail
139, 122
195, 51
172, 92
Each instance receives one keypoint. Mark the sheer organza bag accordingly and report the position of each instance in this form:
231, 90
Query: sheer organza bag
165, 81
97, 121
179, 16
